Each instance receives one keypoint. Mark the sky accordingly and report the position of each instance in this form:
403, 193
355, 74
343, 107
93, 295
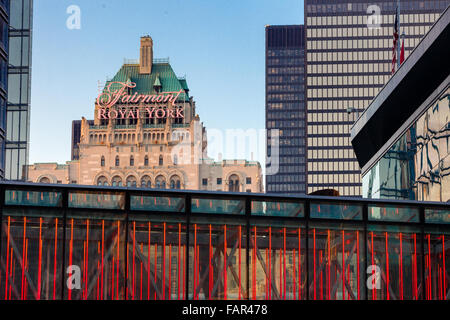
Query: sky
217, 44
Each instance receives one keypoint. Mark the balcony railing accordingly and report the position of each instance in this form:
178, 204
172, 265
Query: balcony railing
141, 243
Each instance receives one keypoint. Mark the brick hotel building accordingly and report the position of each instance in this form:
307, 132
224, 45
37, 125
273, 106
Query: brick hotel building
150, 137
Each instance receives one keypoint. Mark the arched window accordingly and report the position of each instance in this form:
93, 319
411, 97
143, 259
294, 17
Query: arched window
175, 159
145, 182
233, 183
160, 182
117, 161
175, 182
131, 161
146, 161
131, 181
102, 181
161, 162
116, 181
102, 161
44, 180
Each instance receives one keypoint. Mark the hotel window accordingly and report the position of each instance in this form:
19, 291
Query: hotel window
204, 182
161, 162
175, 159
248, 180
146, 161
219, 181
131, 161
117, 161
102, 161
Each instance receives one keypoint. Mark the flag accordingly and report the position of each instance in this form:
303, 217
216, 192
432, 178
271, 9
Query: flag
396, 31
402, 52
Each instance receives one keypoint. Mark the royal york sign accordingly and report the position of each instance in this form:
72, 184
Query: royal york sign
136, 105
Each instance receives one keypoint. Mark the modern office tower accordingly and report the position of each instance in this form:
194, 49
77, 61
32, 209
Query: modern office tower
409, 158
4, 21
348, 62
19, 79
285, 106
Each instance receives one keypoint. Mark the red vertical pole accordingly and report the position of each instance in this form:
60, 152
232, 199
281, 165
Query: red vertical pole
329, 266
26, 267
373, 271
254, 265
225, 263
387, 266
401, 268
156, 266
164, 263
321, 276
415, 269
118, 260
179, 259
87, 258
195, 261
70, 254
148, 260
133, 256
7, 259
284, 263
240, 238
23, 256
54, 259
113, 263
343, 264
141, 270
103, 250
270, 263
40, 260
444, 271
184, 273
209, 264
299, 266
357, 264
84, 269
429, 267
314, 261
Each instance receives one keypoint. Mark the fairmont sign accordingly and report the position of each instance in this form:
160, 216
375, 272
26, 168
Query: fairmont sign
116, 94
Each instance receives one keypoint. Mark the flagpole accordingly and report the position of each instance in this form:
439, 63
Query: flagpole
399, 33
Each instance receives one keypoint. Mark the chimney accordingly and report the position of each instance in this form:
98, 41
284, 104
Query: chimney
146, 55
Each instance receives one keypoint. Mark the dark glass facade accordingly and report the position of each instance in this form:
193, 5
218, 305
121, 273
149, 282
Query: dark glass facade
417, 166
285, 106
4, 22
114, 243
19, 89
347, 65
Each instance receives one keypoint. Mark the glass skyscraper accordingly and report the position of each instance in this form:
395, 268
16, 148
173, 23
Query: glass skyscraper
19, 79
285, 106
348, 62
4, 21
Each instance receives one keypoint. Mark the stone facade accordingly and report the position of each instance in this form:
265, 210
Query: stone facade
132, 144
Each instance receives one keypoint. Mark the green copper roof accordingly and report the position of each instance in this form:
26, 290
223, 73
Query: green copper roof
162, 74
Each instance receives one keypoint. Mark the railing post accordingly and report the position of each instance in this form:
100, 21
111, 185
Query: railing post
127, 209
422, 231
187, 206
366, 254
65, 205
248, 212
307, 211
